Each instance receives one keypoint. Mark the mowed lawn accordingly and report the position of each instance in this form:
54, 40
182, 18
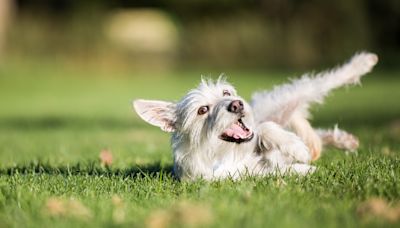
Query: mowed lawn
55, 122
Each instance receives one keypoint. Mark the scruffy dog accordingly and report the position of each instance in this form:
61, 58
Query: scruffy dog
216, 134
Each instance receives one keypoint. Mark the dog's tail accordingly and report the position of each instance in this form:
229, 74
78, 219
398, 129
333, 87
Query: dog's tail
282, 102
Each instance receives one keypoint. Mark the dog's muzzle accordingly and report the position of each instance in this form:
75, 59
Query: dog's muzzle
238, 132
236, 106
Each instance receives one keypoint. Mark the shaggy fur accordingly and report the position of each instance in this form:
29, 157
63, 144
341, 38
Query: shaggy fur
216, 134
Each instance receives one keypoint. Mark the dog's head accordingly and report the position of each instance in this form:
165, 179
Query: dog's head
211, 114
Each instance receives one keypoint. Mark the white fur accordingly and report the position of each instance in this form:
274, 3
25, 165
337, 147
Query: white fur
198, 150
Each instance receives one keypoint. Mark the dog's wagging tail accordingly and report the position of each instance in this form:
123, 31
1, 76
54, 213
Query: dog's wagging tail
216, 134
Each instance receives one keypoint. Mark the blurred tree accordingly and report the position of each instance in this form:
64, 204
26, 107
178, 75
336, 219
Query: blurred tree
252, 33
6, 12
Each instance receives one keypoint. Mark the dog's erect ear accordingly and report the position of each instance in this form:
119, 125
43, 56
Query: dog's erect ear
157, 113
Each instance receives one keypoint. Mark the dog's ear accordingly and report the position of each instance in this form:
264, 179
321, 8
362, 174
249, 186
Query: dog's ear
157, 113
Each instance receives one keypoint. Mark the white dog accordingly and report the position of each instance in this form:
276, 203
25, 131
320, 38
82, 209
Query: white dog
216, 134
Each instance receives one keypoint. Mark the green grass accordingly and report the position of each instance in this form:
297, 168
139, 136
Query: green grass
55, 121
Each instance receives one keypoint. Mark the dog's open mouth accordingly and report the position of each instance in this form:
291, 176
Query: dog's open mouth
237, 132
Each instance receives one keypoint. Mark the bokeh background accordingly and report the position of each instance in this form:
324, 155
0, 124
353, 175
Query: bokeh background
173, 34
75, 66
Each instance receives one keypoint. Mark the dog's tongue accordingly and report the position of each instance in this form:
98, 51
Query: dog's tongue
235, 131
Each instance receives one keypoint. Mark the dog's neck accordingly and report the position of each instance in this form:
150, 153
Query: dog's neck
210, 159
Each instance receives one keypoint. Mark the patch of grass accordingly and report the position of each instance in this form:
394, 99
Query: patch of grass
55, 122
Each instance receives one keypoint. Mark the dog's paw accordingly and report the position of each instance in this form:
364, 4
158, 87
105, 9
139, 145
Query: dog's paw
372, 59
364, 62
291, 147
295, 149
345, 140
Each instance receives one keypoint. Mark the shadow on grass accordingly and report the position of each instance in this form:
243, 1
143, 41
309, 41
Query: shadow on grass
91, 169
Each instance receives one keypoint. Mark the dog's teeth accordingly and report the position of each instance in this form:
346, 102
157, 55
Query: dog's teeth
241, 124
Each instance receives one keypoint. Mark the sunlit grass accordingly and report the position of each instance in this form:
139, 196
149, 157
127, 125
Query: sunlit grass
55, 122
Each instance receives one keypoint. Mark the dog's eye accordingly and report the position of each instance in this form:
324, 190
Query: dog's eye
226, 93
203, 110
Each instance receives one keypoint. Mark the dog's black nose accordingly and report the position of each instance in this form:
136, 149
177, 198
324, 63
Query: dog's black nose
236, 106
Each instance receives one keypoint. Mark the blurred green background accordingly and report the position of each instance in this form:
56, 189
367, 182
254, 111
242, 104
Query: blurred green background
173, 34
83, 61
80, 63
69, 65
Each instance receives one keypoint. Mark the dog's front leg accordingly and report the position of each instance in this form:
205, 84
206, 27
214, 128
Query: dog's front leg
280, 146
